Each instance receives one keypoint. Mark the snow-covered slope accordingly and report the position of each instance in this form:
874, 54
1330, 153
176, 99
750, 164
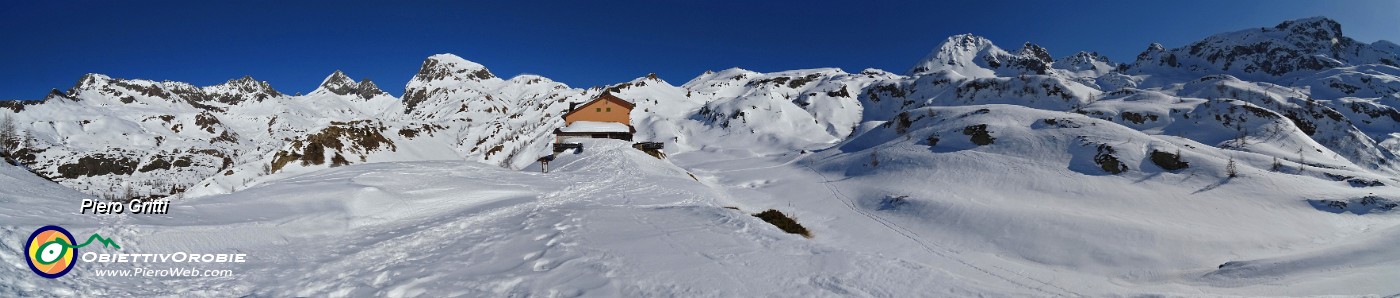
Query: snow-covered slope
611, 221
1047, 203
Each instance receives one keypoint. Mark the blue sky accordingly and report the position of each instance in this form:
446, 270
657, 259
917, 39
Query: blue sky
587, 43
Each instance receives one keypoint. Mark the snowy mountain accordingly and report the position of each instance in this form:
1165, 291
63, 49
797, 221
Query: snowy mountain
503, 122
141, 138
1386, 46
1311, 44
508, 122
1255, 162
1345, 104
340, 84
1086, 64
974, 56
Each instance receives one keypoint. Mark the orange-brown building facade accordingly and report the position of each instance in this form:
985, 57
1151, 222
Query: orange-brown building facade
606, 108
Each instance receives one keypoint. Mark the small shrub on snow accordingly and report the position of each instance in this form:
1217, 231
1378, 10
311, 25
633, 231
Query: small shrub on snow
1109, 163
979, 134
893, 203
783, 222
1231, 170
1168, 161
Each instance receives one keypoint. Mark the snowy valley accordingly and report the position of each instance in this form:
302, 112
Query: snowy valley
1256, 162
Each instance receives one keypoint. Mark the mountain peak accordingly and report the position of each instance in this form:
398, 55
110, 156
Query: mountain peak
439, 70
1085, 55
1309, 44
1086, 61
443, 66
1320, 28
975, 56
1155, 47
241, 89
90, 80
249, 83
1151, 53
367, 84
1034, 50
340, 84
967, 41
337, 77
103, 85
1386, 46
959, 53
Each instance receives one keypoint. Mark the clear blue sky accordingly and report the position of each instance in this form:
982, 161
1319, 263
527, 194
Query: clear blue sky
47, 44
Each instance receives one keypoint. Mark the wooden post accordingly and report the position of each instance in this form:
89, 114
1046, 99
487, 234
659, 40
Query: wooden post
544, 163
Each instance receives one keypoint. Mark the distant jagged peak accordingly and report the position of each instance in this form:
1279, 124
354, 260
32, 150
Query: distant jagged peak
337, 78
246, 84
1302, 45
967, 45
245, 80
1387, 46
1086, 56
239, 90
1153, 50
445, 74
54, 93
1086, 61
735, 73
966, 42
958, 53
1320, 28
975, 56
647, 79
449, 66
92, 81
340, 84
89, 81
713, 77
1035, 51
101, 85
368, 86
531, 79
126, 91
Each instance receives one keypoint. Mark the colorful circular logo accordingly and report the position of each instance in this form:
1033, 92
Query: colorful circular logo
51, 251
